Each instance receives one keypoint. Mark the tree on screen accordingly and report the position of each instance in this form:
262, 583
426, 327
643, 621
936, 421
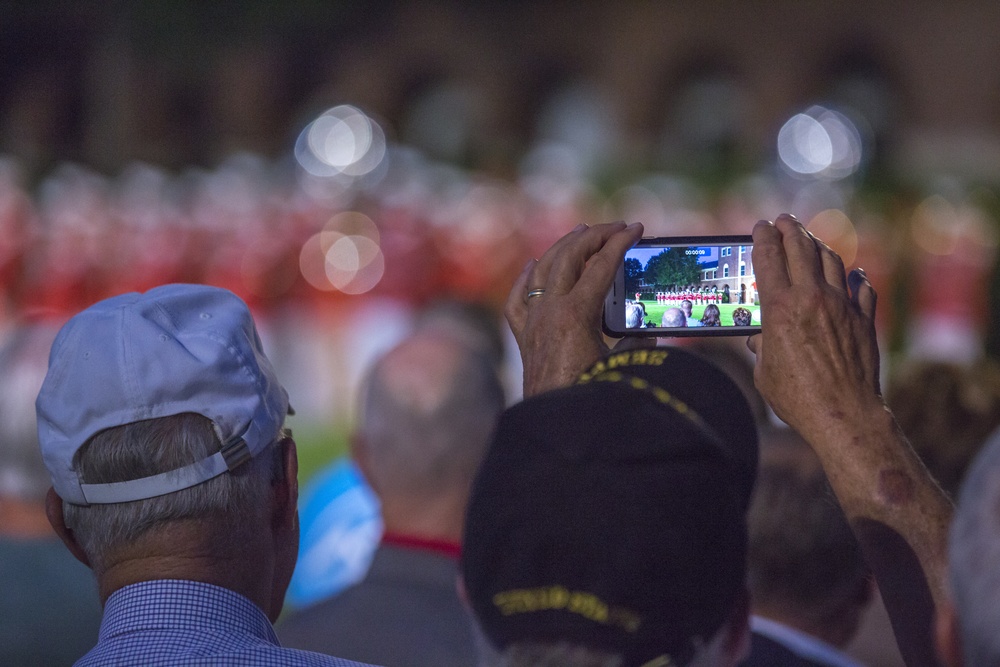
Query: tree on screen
673, 267
633, 275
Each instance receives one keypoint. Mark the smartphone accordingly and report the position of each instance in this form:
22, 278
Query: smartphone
685, 286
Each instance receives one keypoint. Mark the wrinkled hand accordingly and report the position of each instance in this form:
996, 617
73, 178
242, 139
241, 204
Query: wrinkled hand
817, 357
559, 332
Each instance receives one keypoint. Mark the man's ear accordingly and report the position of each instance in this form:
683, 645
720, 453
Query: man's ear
290, 488
54, 512
284, 525
948, 636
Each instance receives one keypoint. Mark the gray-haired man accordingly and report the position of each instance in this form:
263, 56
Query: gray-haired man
161, 422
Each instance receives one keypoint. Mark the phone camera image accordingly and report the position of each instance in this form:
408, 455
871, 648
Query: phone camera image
685, 286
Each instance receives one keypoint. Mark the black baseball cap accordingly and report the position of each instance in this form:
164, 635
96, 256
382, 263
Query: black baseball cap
612, 514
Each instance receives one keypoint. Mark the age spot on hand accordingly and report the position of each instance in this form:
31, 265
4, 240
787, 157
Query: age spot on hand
894, 487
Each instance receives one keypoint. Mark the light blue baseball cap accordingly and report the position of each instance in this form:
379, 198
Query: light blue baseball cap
133, 357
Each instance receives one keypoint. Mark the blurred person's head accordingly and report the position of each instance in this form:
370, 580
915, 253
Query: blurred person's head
742, 317
711, 316
633, 316
967, 625
687, 307
474, 323
806, 569
427, 410
673, 317
607, 522
161, 423
946, 411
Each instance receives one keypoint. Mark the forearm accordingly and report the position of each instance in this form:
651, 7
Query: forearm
818, 368
900, 517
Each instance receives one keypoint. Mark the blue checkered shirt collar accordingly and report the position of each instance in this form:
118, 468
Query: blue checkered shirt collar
184, 606
169, 622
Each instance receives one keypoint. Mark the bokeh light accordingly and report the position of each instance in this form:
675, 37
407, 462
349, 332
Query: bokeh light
821, 143
345, 257
834, 228
341, 141
354, 264
934, 226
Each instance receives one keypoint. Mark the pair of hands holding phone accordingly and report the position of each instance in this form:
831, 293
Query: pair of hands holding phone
817, 354
818, 368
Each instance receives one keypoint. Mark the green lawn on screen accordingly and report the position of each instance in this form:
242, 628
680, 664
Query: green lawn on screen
654, 312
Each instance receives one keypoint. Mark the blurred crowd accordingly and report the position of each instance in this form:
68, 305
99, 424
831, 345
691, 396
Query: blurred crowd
341, 258
251, 227
414, 230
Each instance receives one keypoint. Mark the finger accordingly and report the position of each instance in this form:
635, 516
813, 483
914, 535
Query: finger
769, 262
563, 264
833, 266
804, 265
753, 343
542, 268
862, 293
599, 273
516, 308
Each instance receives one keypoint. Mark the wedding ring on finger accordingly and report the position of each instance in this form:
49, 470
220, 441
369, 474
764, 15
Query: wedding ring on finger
536, 292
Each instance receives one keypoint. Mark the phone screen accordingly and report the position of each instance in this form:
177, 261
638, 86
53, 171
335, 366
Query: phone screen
685, 286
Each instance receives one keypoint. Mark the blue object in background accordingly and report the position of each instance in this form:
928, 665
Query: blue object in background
341, 527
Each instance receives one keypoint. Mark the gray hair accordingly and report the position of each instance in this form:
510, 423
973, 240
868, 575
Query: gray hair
974, 558
633, 316
153, 446
474, 323
673, 317
23, 362
432, 436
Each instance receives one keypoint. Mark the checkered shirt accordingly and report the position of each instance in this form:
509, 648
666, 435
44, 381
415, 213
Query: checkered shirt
171, 622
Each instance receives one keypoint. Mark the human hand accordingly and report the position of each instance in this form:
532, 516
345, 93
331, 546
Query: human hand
817, 356
817, 366
559, 331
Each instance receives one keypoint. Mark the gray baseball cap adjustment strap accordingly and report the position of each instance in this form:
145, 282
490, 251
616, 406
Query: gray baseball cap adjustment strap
236, 453
156, 485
